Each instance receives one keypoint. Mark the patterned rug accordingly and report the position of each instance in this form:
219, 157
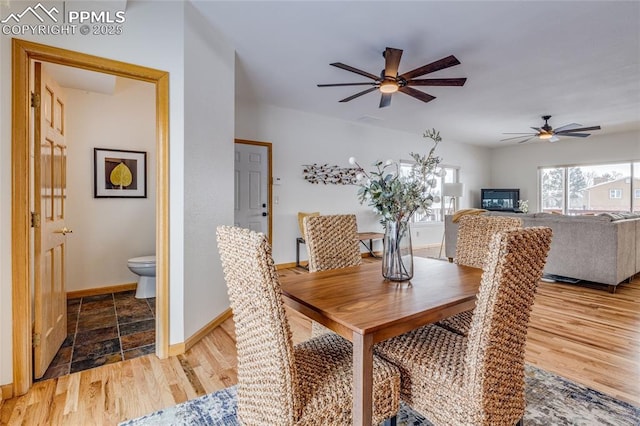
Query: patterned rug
551, 400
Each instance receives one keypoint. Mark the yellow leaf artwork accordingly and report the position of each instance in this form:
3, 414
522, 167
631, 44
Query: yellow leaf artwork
121, 176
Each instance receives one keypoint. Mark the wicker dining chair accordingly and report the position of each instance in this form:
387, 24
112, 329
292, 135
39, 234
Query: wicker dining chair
332, 242
472, 249
279, 383
477, 380
474, 236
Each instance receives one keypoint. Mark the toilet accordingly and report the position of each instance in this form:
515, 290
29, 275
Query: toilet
145, 267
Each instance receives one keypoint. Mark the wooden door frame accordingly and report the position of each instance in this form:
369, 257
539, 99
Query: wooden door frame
268, 145
23, 53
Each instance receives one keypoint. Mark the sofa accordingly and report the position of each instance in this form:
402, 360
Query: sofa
602, 249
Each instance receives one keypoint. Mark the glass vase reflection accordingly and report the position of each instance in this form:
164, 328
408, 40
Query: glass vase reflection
397, 256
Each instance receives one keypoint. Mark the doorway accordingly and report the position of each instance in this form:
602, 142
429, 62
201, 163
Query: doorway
24, 53
105, 322
253, 186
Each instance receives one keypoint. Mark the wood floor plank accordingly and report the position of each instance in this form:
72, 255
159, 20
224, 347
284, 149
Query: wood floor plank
589, 336
585, 334
39, 395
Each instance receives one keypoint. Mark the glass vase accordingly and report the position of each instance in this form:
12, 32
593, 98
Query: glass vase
397, 255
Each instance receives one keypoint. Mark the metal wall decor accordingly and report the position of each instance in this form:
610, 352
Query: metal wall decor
325, 173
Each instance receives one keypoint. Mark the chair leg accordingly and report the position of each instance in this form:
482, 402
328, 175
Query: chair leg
520, 422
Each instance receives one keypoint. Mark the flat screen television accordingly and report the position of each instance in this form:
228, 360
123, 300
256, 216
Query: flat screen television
499, 199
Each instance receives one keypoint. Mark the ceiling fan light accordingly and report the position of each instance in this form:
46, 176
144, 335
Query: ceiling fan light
545, 135
388, 87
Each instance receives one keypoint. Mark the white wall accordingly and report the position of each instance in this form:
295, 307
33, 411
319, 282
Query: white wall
301, 138
108, 231
208, 174
153, 37
517, 166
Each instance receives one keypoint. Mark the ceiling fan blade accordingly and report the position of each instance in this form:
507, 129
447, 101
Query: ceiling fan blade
577, 135
527, 140
392, 61
567, 127
424, 97
437, 82
537, 129
553, 139
581, 129
364, 92
443, 63
355, 70
385, 100
347, 84
523, 135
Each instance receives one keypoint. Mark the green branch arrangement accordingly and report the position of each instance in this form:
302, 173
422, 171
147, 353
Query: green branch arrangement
396, 197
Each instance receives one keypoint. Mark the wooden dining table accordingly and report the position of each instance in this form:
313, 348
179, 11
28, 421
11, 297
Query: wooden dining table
361, 306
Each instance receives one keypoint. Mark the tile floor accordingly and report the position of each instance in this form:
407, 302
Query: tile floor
105, 329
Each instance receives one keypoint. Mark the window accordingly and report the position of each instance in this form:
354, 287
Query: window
636, 193
444, 206
590, 189
552, 184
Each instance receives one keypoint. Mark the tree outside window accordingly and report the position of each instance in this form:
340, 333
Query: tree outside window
552, 189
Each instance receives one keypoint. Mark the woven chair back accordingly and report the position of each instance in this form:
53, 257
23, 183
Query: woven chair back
494, 364
474, 236
266, 369
332, 241
301, 216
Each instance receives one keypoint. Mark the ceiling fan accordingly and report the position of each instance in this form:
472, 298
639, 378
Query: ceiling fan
389, 82
546, 132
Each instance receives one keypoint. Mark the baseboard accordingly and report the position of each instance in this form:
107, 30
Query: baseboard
101, 290
6, 391
305, 263
180, 348
176, 349
363, 254
377, 254
288, 265
426, 246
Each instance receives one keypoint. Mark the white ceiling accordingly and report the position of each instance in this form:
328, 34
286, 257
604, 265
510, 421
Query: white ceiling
78, 78
578, 61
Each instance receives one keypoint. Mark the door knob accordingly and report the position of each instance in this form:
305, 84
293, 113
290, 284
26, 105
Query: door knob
63, 231
264, 213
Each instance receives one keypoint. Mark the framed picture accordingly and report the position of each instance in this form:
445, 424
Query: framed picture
119, 174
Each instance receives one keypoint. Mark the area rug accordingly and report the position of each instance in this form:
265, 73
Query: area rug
551, 400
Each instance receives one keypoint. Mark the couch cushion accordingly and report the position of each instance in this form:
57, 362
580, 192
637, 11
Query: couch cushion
620, 215
573, 219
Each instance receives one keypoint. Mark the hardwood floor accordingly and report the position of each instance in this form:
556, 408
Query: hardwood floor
584, 334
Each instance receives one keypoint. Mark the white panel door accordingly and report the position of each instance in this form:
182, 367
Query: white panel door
251, 187
50, 197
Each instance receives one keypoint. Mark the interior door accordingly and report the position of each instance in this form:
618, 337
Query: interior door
49, 181
252, 196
